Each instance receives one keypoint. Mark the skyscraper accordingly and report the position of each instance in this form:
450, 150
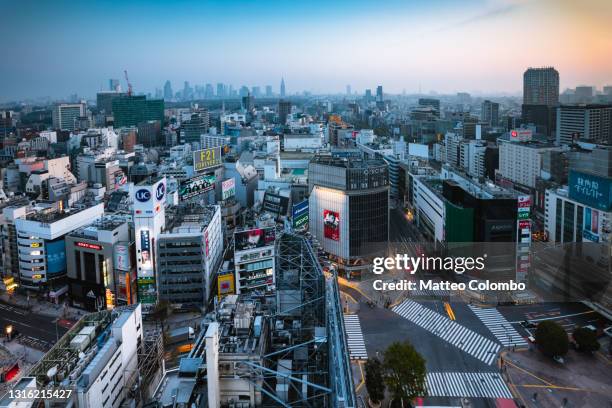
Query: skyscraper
379, 93
348, 89
541, 86
132, 110
168, 91
65, 115
220, 90
587, 123
368, 95
282, 88
490, 112
268, 91
284, 110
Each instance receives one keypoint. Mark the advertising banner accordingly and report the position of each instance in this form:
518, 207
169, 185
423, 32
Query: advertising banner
331, 225
145, 246
590, 190
225, 284
228, 188
299, 214
56, 257
207, 158
255, 238
196, 185
121, 257
147, 292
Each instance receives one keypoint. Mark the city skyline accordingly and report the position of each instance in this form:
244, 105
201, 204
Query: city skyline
435, 46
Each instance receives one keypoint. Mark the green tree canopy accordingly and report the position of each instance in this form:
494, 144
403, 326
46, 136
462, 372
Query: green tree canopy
586, 339
551, 339
374, 380
405, 371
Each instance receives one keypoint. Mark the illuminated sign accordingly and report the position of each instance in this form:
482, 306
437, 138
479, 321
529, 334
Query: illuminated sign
160, 191
195, 186
204, 159
110, 299
143, 195
88, 245
299, 214
593, 191
35, 245
520, 135
255, 238
331, 225
225, 284
591, 225
147, 292
228, 188
145, 246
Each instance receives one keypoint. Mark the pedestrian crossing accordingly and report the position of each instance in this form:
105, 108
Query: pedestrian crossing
499, 326
469, 385
450, 331
429, 293
354, 337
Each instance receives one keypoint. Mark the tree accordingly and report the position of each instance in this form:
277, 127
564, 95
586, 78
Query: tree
586, 339
551, 339
374, 380
405, 371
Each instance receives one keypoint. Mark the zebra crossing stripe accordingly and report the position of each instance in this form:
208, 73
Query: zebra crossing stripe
429, 293
499, 326
450, 331
354, 337
469, 385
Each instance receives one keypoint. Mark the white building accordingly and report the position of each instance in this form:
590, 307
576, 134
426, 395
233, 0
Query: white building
430, 211
254, 259
65, 115
149, 219
40, 239
472, 154
521, 162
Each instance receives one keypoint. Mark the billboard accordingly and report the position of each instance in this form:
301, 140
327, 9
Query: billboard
228, 188
149, 198
121, 257
418, 150
147, 292
207, 158
275, 203
331, 225
56, 257
591, 225
145, 246
225, 284
196, 185
299, 214
593, 191
521, 135
255, 238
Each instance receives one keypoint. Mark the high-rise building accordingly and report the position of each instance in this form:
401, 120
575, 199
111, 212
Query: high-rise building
221, 90
348, 90
254, 254
113, 85
248, 102
379, 93
168, 95
544, 118
189, 252
269, 91
132, 110
349, 209
583, 94
284, 110
209, 91
66, 115
149, 133
282, 88
432, 103
368, 95
587, 123
104, 101
256, 91
194, 128
541, 86
490, 112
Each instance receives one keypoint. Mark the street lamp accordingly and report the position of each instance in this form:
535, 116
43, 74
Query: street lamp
9, 330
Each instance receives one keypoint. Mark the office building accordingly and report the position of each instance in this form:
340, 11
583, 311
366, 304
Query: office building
42, 248
99, 360
541, 86
490, 113
168, 94
432, 103
149, 133
221, 90
193, 129
520, 162
104, 101
282, 88
349, 208
189, 253
99, 265
586, 123
269, 93
66, 115
113, 85
284, 110
544, 118
130, 110
254, 264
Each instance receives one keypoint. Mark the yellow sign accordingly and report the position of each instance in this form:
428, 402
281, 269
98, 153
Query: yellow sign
37, 276
225, 284
35, 245
203, 159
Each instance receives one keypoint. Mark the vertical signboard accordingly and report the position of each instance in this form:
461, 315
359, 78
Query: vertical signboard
228, 189
523, 237
299, 214
331, 225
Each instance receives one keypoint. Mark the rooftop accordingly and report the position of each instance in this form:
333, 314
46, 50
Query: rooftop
353, 163
187, 218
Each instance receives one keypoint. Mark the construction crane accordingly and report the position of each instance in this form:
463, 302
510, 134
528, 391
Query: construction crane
128, 83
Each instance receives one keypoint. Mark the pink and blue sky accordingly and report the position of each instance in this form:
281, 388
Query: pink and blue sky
56, 48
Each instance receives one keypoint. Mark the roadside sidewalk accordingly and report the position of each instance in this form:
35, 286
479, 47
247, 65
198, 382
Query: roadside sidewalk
43, 308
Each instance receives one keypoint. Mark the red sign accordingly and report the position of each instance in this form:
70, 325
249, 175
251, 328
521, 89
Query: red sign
88, 245
524, 224
331, 225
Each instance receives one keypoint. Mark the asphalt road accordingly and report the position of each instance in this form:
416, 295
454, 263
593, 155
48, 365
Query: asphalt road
30, 324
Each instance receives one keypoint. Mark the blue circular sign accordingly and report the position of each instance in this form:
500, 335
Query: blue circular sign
143, 195
160, 191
